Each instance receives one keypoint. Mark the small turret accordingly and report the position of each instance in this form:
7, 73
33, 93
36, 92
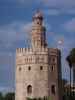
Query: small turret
38, 15
38, 18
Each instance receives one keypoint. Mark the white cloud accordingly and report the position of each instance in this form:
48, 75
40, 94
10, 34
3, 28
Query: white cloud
57, 12
6, 89
59, 6
70, 25
15, 31
65, 6
51, 3
54, 12
28, 27
70, 11
28, 2
59, 3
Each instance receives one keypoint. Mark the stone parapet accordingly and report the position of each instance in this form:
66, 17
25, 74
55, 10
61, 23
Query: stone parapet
30, 50
53, 51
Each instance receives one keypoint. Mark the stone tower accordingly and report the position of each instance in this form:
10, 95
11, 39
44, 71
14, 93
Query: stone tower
38, 69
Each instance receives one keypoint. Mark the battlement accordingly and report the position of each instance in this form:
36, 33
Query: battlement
30, 50
54, 51
51, 51
28, 55
23, 50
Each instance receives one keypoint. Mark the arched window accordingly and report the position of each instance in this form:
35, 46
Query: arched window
29, 89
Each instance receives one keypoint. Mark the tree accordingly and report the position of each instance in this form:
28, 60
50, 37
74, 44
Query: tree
71, 61
70, 66
1, 96
9, 96
64, 82
72, 57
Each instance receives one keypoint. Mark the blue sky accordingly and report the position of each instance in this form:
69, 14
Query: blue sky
15, 26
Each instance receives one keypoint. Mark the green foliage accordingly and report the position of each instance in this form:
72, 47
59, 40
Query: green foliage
43, 98
72, 55
1, 96
67, 96
71, 58
8, 96
64, 82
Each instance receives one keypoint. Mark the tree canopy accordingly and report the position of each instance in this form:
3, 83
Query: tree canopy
71, 58
7, 96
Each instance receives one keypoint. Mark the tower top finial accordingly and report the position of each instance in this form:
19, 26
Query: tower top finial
38, 14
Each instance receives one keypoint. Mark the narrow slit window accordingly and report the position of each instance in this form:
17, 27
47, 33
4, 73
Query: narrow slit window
53, 89
20, 69
52, 68
29, 68
41, 67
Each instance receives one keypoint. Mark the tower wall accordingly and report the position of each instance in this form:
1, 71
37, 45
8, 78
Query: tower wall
55, 74
40, 80
38, 69
37, 77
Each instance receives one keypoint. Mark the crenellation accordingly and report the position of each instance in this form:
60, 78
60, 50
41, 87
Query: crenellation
53, 51
28, 51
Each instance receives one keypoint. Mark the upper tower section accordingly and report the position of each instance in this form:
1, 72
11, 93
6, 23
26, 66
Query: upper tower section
38, 18
38, 31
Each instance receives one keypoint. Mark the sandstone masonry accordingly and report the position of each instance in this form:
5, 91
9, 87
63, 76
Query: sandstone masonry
38, 69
